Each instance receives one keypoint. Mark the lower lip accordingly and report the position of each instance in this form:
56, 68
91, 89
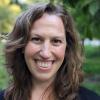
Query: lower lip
44, 69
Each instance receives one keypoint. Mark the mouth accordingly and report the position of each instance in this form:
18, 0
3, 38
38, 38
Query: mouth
44, 65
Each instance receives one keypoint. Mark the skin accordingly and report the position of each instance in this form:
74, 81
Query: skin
44, 53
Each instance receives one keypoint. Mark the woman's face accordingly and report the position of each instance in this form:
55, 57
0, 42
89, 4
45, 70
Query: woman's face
45, 50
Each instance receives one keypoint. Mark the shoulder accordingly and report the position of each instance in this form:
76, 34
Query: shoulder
2, 95
86, 94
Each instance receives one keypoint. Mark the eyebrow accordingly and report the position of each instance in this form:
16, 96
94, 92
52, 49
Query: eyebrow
55, 36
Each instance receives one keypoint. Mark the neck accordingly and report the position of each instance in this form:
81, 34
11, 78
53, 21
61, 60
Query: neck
41, 90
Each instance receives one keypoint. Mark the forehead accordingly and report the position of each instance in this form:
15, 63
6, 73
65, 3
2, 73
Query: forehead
48, 23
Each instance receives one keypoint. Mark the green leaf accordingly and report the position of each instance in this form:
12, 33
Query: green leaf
93, 8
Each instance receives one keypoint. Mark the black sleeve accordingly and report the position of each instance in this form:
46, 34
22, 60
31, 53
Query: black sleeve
1, 95
86, 94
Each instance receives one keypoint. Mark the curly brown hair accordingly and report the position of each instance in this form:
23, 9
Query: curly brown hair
69, 76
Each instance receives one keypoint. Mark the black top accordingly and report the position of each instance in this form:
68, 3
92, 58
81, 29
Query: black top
84, 94
1, 95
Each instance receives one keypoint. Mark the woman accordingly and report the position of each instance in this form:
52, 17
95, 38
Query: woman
43, 55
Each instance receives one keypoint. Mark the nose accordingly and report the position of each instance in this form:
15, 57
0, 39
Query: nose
45, 51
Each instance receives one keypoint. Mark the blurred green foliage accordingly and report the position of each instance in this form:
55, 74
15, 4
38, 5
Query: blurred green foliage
3, 72
92, 61
91, 68
8, 14
85, 13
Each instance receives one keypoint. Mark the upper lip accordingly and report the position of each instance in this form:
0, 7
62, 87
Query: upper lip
44, 60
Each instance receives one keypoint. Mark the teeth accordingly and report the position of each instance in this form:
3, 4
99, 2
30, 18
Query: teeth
44, 64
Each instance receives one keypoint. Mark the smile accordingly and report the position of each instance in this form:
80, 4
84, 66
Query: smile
44, 64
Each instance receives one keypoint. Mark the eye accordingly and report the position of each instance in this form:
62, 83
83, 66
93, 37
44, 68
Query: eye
56, 42
36, 40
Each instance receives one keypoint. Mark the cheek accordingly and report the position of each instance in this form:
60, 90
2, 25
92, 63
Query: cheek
60, 52
30, 49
